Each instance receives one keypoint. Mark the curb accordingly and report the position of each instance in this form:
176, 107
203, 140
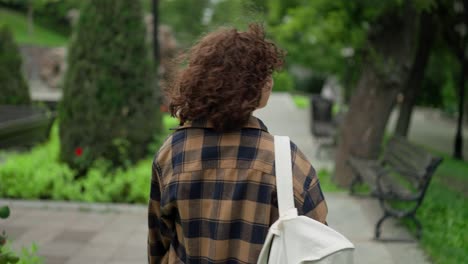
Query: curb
75, 206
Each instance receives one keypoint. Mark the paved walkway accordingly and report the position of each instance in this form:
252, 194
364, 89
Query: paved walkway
75, 233
353, 217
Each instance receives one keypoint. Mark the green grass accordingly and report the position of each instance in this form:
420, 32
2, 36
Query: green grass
170, 122
444, 213
301, 102
17, 22
326, 183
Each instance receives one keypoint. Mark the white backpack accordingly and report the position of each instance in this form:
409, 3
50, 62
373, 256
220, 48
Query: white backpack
294, 239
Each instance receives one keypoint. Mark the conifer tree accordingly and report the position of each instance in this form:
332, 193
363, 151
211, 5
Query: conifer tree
13, 87
109, 107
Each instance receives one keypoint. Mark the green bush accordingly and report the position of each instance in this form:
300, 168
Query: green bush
13, 88
7, 256
283, 82
26, 256
109, 107
39, 174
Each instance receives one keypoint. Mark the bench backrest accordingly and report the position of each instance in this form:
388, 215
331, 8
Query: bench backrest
321, 109
322, 118
413, 162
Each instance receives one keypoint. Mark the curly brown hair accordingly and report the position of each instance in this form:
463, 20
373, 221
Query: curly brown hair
224, 77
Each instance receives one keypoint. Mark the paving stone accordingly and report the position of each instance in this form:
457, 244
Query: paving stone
14, 232
96, 251
54, 259
93, 220
347, 217
60, 249
131, 252
138, 238
113, 237
407, 253
38, 236
74, 236
87, 260
371, 253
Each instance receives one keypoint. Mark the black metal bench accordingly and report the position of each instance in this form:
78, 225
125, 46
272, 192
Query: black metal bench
24, 125
323, 125
402, 175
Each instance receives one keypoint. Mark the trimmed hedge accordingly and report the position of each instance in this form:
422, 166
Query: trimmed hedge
109, 108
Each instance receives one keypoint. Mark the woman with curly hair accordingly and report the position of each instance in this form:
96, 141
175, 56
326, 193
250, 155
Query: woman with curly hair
213, 189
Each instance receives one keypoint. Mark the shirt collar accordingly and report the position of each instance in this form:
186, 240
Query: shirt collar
253, 122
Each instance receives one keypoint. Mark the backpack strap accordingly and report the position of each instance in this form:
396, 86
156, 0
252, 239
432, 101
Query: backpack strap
284, 180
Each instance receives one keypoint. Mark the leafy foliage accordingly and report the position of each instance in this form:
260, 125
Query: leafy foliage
13, 89
330, 37
39, 174
26, 255
109, 108
5, 257
283, 82
185, 17
52, 14
190, 19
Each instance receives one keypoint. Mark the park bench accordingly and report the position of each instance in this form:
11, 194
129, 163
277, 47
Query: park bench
323, 125
23, 125
400, 177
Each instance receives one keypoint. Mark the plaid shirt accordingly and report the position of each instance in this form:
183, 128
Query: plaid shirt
213, 195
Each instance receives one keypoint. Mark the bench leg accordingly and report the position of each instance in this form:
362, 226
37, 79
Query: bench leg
379, 225
418, 226
355, 181
318, 150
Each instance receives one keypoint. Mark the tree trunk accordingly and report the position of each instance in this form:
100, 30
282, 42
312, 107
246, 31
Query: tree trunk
462, 57
155, 33
157, 62
30, 19
413, 86
458, 148
385, 71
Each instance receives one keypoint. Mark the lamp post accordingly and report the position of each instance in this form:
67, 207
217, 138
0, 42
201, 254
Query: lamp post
155, 7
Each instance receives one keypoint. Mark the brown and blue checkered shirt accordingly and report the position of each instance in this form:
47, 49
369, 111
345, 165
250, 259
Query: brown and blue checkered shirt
213, 195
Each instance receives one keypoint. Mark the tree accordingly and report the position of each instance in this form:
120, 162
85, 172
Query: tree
185, 17
13, 89
155, 40
370, 44
384, 74
454, 17
427, 31
109, 109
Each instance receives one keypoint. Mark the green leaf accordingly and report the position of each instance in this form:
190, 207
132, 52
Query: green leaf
4, 212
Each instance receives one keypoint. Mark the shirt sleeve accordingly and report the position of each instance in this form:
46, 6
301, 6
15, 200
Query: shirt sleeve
309, 197
159, 232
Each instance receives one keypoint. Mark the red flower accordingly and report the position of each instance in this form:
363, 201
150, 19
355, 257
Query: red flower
163, 108
78, 151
